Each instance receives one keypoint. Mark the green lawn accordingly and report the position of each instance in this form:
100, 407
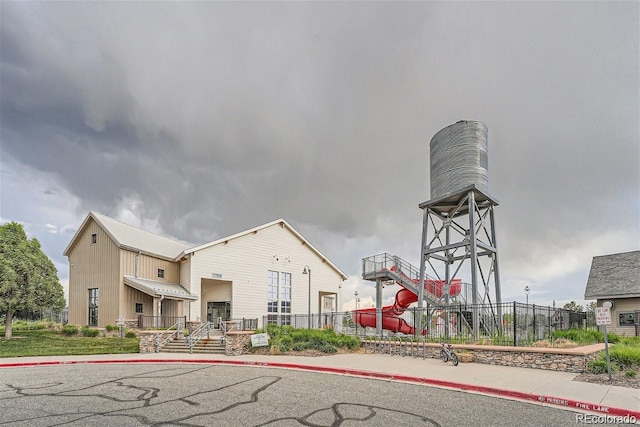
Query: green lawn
46, 342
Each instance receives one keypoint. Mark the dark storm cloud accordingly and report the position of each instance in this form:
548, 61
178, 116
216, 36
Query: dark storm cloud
216, 117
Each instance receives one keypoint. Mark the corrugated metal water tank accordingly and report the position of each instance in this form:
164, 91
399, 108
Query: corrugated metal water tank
459, 158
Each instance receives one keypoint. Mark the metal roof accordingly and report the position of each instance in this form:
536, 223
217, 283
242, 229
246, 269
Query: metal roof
614, 276
159, 289
133, 238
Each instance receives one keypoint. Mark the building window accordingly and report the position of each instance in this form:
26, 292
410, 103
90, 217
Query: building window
161, 273
279, 298
94, 238
93, 307
285, 298
138, 307
272, 297
626, 319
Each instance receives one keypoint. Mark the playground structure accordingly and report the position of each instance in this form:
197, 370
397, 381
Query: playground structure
458, 231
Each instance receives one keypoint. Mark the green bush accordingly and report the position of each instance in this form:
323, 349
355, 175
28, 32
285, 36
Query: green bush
328, 348
130, 334
581, 336
624, 356
287, 338
111, 328
69, 330
86, 331
599, 366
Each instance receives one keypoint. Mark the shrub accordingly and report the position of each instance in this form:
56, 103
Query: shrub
69, 330
130, 334
624, 356
599, 366
86, 331
581, 336
328, 348
111, 328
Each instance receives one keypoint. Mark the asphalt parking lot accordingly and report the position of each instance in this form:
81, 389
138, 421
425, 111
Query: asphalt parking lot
212, 395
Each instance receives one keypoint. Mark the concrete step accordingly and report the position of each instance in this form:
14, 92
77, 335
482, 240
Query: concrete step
205, 346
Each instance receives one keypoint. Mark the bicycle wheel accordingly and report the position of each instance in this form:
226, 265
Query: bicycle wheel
454, 359
443, 356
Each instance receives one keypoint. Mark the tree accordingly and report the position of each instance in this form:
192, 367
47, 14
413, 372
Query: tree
572, 306
28, 278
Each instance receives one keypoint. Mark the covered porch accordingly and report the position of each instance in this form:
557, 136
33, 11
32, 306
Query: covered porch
165, 302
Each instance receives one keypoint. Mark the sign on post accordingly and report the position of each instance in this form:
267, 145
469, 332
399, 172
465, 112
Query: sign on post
603, 316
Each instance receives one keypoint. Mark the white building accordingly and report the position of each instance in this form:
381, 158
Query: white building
117, 270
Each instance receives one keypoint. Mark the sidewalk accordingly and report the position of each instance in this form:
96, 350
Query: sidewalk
534, 385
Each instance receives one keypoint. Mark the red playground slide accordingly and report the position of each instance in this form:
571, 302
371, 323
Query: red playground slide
366, 317
390, 321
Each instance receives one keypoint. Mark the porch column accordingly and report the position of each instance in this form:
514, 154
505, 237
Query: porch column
156, 311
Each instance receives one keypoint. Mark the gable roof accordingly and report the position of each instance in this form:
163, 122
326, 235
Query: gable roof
280, 222
133, 238
614, 276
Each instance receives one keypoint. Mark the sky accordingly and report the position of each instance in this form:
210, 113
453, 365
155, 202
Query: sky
198, 120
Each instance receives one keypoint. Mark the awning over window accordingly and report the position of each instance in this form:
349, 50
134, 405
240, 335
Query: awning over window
159, 289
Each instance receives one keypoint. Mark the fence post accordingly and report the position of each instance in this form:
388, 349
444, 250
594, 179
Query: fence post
534, 322
515, 327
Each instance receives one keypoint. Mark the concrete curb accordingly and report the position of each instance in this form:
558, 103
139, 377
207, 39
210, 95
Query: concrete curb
532, 397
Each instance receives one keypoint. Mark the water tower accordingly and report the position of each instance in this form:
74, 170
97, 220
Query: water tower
458, 230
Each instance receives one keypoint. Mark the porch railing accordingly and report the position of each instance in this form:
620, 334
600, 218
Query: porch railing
198, 334
237, 325
168, 335
159, 322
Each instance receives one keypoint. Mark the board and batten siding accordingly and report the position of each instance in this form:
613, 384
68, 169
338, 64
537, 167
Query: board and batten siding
148, 267
246, 260
185, 273
134, 296
94, 266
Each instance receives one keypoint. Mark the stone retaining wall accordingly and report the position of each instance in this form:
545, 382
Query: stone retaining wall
237, 343
147, 342
149, 339
574, 360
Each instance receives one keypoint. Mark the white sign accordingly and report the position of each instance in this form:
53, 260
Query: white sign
259, 340
603, 316
120, 321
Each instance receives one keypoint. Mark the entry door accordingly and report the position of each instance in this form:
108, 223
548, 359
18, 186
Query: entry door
217, 310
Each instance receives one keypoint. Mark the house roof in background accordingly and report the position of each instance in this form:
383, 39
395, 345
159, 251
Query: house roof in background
614, 276
283, 224
133, 238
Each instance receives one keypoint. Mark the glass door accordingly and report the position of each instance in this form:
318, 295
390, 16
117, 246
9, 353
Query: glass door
218, 311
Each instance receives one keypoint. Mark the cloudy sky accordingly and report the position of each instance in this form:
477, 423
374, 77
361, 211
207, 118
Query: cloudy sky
197, 120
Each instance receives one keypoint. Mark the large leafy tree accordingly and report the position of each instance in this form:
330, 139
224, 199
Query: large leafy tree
28, 279
573, 306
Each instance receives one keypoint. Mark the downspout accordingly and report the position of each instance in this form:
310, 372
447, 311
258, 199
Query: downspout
135, 274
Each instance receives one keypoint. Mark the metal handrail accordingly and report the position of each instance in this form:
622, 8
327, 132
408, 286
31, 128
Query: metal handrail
161, 342
198, 334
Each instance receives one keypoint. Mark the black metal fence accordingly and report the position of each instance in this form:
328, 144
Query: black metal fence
238, 325
315, 321
44, 315
511, 324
